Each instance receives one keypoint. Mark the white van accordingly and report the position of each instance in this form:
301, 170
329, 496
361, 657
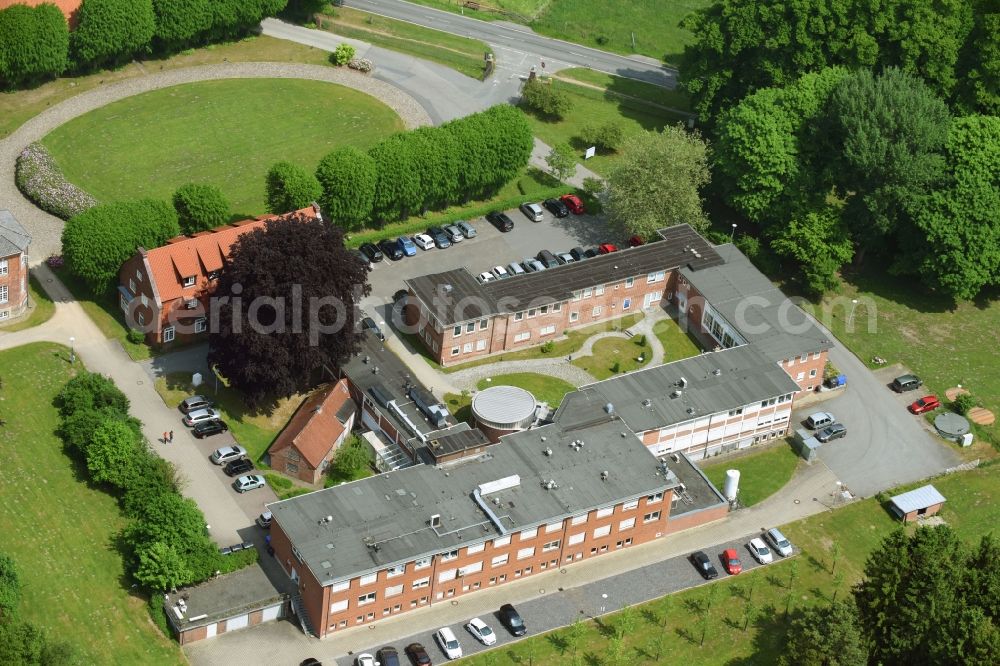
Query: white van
779, 542
820, 420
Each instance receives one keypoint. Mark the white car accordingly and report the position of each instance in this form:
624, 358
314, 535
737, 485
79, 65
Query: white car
424, 242
199, 415
445, 638
481, 631
227, 454
760, 551
365, 659
515, 269
486, 276
500, 272
249, 482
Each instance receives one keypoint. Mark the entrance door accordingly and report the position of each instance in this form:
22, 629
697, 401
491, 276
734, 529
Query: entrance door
211, 629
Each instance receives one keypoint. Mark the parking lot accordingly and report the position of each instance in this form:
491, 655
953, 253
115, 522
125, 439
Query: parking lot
489, 248
561, 608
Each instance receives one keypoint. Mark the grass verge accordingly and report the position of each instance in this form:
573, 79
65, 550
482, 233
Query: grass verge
677, 343
462, 54
61, 532
762, 473
671, 629
17, 107
612, 356
40, 308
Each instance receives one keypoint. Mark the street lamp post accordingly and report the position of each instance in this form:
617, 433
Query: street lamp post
732, 234
850, 318
604, 602
72, 350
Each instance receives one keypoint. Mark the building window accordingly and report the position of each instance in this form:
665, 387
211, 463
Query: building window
292, 468
502, 541
478, 548
449, 556
626, 304
557, 307
470, 569
457, 331
576, 295
651, 517
138, 275
629, 282
553, 527
189, 281
652, 499
3, 271
579, 520
3, 296
480, 345
454, 351
518, 316
366, 599
551, 545
547, 330
588, 292
737, 411
812, 373
800, 376
529, 534
338, 606
200, 325
483, 323
531, 313
397, 570
341, 586
394, 591
422, 563
521, 337
577, 538
467, 347
631, 504
368, 579
420, 583
605, 512
525, 553
804, 358
602, 531
144, 300
626, 524
500, 560
470, 327
573, 316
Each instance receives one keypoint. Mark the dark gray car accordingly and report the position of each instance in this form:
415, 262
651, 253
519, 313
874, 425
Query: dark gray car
832, 432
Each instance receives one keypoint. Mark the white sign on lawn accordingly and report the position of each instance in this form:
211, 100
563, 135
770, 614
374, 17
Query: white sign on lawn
590, 152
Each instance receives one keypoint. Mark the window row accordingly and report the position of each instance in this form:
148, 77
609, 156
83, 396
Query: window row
536, 312
470, 327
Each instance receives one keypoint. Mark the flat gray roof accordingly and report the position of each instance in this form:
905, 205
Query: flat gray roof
227, 596
712, 382
456, 295
917, 499
386, 519
14, 238
755, 307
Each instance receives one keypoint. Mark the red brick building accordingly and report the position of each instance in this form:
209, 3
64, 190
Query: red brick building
305, 447
14, 242
544, 499
165, 292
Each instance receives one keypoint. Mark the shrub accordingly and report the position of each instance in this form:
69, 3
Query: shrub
593, 187
347, 176
290, 187
361, 64
109, 32
90, 390
200, 207
135, 336
34, 43
963, 403
342, 55
548, 347
616, 367
545, 100
40, 180
180, 23
607, 137
238, 560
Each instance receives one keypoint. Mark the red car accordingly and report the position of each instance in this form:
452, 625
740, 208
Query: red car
635, 241
606, 248
573, 203
731, 561
928, 403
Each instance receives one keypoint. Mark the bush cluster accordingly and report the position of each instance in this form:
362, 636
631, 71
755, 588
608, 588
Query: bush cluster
34, 43
545, 100
39, 178
343, 55
166, 543
363, 65
426, 169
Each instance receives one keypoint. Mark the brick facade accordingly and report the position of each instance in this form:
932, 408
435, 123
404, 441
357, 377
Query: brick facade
13, 285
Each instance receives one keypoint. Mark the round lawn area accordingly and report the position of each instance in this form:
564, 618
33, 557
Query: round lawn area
226, 133
544, 388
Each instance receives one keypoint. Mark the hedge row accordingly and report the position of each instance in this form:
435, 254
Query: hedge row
426, 169
166, 542
42, 181
34, 44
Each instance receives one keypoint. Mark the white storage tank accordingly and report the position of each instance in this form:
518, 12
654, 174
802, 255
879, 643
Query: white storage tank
500, 410
732, 486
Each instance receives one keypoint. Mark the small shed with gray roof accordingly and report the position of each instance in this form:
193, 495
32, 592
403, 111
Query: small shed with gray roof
922, 502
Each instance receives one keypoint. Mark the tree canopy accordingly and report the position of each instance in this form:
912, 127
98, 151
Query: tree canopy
34, 43
292, 320
826, 636
290, 187
348, 177
109, 32
200, 207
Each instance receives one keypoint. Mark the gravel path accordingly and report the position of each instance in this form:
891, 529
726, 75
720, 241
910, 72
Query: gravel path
554, 367
46, 229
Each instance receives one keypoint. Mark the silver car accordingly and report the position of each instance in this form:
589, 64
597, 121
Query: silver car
454, 233
467, 229
515, 268
228, 453
533, 212
249, 482
532, 265
199, 415
194, 402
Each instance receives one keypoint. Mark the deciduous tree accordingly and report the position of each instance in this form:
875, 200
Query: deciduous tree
34, 43
351, 458
114, 453
657, 180
180, 23
819, 243
91, 391
200, 207
826, 636
161, 568
607, 136
348, 177
545, 99
290, 187
291, 320
561, 161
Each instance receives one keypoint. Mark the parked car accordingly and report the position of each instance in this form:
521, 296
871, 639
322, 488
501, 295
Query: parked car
373, 253
591, 253
905, 383
249, 482
311, 661
578, 253
731, 562
556, 207
500, 220
635, 241
264, 520
363, 258
423, 241
209, 428
928, 403
391, 249
238, 467
511, 619
364, 659
387, 656
199, 415
778, 542
368, 324
832, 432
193, 403
485, 277
441, 239
820, 419
533, 212
573, 203
467, 229
547, 258
565, 258
481, 631
515, 269
760, 551
227, 454
500, 272
445, 638
532, 265
606, 248
408, 247
454, 233
418, 655
704, 565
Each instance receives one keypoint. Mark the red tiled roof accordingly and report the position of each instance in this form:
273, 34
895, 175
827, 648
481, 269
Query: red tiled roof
68, 7
314, 427
197, 256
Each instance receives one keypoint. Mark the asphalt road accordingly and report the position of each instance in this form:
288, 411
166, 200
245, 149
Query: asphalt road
562, 607
521, 39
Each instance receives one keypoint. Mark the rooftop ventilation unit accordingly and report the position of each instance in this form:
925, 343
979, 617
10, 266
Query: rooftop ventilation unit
604, 475
436, 520
676, 394
609, 408
716, 372
550, 484
683, 382
647, 402
505, 483
676, 457
446, 288
548, 452
690, 410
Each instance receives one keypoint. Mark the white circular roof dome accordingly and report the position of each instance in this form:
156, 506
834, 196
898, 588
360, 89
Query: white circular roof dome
504, 406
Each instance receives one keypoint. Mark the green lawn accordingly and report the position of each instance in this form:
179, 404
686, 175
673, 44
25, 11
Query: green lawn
544, 388
226, 133
677, 344
41, 308
945, 344
669, 629
617, 87
253, 431
462, 54
762, 473
595, 107
59, 530
613, 356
